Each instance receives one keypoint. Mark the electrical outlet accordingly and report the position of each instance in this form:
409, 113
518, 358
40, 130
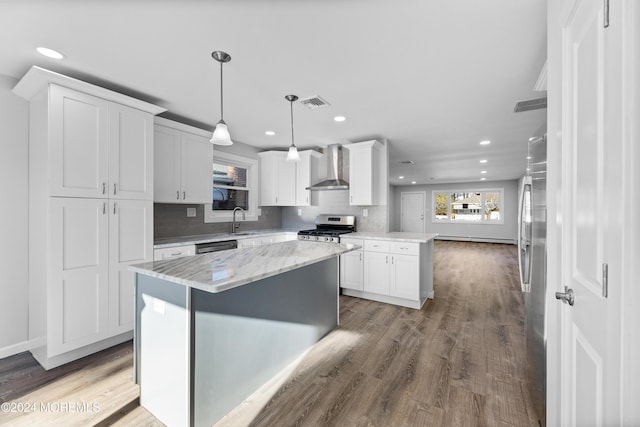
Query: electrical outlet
365, 212
259, 211
299, 212
191, 212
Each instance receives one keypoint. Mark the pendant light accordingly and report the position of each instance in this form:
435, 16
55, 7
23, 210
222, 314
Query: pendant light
221, 133
292, 155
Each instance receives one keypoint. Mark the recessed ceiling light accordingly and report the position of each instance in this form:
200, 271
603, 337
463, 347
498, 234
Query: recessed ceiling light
528, 157
49, 53
413, 182
528, 169
483, 171
339, 118
485, 142
483, 161
401, 177
532, 138
270, 133
483, 179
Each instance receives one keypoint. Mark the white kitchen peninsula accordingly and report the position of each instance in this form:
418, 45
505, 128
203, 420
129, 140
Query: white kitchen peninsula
213, 328
395, 268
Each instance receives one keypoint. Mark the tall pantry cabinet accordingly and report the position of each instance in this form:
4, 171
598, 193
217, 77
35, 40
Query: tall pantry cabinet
90, 213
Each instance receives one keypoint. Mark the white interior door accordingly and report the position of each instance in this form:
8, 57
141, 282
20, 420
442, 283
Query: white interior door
412, 211
589, 350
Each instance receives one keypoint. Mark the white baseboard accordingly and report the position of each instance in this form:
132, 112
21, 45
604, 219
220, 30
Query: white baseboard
12, 349
477, 239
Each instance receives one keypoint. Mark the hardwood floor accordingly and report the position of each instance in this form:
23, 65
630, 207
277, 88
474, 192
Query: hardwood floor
459, 361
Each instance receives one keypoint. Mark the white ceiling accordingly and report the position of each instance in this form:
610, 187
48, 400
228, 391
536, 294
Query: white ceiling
432, 77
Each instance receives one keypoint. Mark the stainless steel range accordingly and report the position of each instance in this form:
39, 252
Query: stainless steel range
329, 228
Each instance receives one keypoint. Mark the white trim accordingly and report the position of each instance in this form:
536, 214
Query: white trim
37, 79
182, 127
252, 185
13, 349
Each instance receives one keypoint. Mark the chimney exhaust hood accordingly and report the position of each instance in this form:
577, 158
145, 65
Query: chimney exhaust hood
334, 179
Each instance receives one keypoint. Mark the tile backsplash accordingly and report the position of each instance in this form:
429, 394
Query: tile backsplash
335, 202
170, 220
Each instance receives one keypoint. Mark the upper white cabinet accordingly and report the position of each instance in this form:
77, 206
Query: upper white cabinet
284, 183
98, 148
368, 173
183, 161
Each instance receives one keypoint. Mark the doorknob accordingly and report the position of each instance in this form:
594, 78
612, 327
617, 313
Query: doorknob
566, 296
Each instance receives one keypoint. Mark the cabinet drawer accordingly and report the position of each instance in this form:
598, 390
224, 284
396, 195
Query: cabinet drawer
351, 241
376, 246
174, 252
404, 248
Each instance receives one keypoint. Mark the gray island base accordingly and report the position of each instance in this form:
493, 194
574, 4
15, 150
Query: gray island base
199, 353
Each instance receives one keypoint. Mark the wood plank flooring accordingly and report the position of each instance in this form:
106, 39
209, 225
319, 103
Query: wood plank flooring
460, 361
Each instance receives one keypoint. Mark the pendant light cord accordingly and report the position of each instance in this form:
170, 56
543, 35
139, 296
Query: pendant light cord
221, 96
292, 144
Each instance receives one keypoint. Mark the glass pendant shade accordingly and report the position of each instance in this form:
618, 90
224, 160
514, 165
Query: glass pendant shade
221, 135
292, 155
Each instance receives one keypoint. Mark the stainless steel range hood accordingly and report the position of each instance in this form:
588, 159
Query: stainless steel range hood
334, 179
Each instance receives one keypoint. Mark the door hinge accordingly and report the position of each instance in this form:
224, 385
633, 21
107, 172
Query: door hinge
605, 14
605, 280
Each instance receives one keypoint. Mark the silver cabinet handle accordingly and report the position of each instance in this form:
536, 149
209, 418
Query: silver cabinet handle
178, 195
104, 208
386, 259
104, 188
114, 208
176, 253
184, 195
114, 188
360, 256
392, 260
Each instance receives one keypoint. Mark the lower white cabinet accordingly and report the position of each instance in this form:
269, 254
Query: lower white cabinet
394, 272
81, 290
174, 252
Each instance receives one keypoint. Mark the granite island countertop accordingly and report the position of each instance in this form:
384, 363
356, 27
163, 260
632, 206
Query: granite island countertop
167, 242
219, 271
395, 236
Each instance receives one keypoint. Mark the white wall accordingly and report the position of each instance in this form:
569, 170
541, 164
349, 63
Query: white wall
506, 233
14, 162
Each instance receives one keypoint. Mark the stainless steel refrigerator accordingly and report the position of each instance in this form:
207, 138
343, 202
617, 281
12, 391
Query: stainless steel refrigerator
532, 252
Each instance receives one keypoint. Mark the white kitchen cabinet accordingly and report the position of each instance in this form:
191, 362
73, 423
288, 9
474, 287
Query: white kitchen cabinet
130, 242
249, 242
183, 162
174, 252
395, 272
98, 148
284, 183
368, 173
74, 295
351, 266
90, 155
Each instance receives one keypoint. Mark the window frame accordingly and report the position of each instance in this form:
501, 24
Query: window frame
251, 165
482, 192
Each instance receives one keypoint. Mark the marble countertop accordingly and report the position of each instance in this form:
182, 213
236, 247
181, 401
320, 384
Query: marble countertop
168, 242
395, 236
218, 271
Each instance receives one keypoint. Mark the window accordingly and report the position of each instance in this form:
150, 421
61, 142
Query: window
234, 185
468, 206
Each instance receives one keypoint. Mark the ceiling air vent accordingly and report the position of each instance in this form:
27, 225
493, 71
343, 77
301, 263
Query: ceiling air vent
314, 102
530, 104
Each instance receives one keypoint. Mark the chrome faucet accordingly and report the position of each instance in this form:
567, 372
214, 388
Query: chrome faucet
233, 223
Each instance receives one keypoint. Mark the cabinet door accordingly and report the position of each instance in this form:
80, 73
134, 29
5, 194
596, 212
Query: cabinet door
268, 190
79, 151
130, 153
360, 176
166, 164
376, 272
351, 270
77, 312
130, 242
197, 169
286, 181
303, 180
405, 276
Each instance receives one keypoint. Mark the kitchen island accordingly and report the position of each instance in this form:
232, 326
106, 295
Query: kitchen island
212, 328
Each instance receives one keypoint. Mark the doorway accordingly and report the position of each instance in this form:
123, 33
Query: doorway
412, 211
